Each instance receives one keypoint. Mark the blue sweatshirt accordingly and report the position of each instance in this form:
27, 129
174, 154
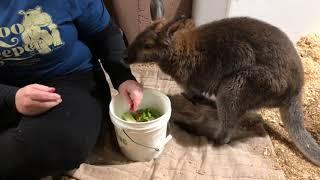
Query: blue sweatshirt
39, 38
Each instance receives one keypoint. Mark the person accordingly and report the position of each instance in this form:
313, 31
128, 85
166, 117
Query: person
53, 93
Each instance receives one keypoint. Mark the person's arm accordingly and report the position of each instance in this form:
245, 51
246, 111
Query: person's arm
105, 40
108, 46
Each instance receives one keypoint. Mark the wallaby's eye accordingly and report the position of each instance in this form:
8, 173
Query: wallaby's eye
148, 46
149, 43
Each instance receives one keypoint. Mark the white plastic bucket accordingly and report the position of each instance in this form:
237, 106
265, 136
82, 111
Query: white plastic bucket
142, 141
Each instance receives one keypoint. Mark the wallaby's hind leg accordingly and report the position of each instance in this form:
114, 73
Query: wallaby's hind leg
228, 114
235, 96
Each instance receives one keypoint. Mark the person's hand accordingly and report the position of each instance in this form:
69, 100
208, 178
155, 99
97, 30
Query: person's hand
35, 99
132, 91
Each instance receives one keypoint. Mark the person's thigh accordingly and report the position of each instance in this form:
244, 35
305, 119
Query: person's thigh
8, 119
61, 138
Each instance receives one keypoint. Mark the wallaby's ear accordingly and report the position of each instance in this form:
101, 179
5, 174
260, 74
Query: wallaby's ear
156, 9
157, 26
177, 23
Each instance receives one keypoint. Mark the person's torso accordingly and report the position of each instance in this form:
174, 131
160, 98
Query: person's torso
38, 40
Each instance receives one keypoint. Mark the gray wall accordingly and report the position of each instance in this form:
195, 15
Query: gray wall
133, 15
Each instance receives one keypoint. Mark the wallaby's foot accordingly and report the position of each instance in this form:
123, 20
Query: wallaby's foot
188, 128
201, 126
223, 138
201, 121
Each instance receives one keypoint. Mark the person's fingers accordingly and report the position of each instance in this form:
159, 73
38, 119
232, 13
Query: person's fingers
43, 88
42, 96
36, 107
132, 92
136, 97
126, 95
136, 94
44, 106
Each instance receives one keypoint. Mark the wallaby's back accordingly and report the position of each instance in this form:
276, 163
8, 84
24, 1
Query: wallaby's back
260, 44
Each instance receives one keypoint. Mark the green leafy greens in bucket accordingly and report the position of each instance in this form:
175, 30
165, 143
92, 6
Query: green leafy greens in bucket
141, 115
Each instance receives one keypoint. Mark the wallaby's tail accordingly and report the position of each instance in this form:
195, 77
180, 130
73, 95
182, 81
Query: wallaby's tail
292, 117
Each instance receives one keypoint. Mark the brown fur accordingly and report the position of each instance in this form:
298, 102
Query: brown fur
246, 63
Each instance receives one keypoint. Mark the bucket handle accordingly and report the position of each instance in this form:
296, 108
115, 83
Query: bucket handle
168, 138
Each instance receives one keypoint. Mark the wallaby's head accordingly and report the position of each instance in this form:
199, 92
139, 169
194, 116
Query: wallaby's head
155, 43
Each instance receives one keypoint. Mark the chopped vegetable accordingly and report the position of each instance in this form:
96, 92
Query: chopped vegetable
141, 115
128, 117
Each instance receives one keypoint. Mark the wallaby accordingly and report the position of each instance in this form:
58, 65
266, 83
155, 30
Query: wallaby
244, 62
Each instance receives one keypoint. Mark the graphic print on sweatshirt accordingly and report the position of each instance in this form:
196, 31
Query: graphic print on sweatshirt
37, 34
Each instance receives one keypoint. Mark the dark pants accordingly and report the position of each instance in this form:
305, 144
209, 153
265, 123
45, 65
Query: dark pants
60, 139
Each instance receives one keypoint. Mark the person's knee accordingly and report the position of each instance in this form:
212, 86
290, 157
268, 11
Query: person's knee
69, 149
47, 153
76, 150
